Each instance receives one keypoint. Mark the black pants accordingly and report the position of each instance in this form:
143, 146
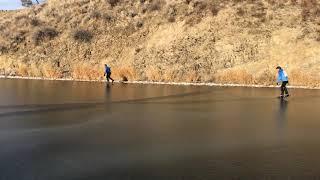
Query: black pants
284, 89
109, 77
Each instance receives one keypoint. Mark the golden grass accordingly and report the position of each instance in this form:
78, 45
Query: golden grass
169, 76
299, 77
48, 70
22, 70
35, 71
153, 74
125, 73
166, 49
266, 77
237, 76
192, 76
87, 71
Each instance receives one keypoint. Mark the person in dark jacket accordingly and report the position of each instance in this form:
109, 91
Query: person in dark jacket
283, 80
107, 73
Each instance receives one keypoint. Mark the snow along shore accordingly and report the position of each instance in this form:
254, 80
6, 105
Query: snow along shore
159, 83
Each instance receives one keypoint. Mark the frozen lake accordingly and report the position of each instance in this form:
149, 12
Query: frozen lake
82, 130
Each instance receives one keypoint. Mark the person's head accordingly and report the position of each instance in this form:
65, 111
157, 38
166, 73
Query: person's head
106, 65
278, 68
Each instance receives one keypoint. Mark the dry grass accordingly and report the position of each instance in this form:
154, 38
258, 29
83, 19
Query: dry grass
3, 49
86, 71
35, 70
299, 77
22, 70
34, 22
170, 75
214, 9
156, 5
153, 73
44, 34
113, 2
149, 40
192, 76
18, 68
82, 36
237, 76
124, 73
95, 14
193, 20
266, 77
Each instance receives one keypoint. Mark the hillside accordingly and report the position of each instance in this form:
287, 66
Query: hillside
222, 41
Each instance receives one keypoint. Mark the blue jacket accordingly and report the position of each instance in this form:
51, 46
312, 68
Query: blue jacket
107, 70
282, 76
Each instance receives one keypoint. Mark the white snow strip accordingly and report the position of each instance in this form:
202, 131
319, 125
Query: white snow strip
159, 83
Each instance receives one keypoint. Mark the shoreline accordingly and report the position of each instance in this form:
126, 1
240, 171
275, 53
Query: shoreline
159, 83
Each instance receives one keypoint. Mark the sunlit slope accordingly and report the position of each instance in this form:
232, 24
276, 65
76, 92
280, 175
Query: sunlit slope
230, 41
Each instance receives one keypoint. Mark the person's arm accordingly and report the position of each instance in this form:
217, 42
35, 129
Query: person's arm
279, 79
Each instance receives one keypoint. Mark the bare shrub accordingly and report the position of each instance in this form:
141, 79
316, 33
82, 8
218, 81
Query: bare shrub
240, 11
200, 6
193, 20
95, 15
309, 8
107, 17
139, 24
258, 10
2, 28
214, 10
171, 13
156, 5
3, 49
18, 37
305, 13
82, 36
43, 34
113, 2
34, 22
188, 1
171, 19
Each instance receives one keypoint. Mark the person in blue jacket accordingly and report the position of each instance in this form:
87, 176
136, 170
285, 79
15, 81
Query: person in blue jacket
283, 80
107, 73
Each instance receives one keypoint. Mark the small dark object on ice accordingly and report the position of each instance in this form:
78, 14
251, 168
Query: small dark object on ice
283, 96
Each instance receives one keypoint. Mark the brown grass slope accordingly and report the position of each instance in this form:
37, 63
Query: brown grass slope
222, 41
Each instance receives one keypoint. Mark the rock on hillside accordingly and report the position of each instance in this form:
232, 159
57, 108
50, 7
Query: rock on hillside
223, 41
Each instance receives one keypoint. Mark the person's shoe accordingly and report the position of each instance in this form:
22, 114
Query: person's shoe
287, 95
112, 81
